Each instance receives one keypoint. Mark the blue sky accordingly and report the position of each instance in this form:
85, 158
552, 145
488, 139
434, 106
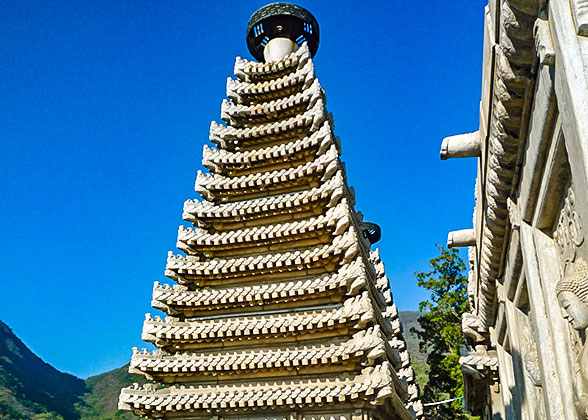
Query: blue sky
105, 107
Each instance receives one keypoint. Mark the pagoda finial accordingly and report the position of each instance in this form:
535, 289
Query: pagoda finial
278, 29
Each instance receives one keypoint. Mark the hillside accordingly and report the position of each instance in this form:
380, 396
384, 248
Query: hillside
29, 386
100, 401
33, 389
418, 359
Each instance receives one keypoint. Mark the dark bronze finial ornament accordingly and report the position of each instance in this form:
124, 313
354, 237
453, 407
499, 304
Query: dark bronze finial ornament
281, 20
372, 232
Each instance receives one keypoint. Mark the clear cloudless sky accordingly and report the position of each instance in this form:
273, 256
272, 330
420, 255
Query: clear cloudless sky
105, 107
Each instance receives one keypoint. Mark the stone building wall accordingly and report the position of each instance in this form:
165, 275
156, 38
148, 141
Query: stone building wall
526, 355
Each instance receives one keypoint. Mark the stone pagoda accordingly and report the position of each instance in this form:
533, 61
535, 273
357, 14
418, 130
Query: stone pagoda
280, 311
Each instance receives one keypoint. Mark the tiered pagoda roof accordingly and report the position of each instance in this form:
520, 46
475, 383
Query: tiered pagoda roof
280, 309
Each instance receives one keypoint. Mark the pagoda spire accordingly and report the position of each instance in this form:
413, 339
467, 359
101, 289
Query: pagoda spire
280, 310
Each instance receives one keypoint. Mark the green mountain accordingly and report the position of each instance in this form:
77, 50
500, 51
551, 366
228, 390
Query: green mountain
101, 399
29, 386
418, 359
33, 389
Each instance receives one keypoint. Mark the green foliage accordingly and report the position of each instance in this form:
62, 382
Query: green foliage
440, 332
52, 415
29, 386
418, 359
101, 400
32, 389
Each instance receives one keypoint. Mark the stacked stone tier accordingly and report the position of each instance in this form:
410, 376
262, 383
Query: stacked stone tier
219, 188
267, 266
270, 158
295, 127
251, 71
355, 313
364, 348
247, 115
266, 210
244, 92
277, 281
373, 385
321, 229
327, 288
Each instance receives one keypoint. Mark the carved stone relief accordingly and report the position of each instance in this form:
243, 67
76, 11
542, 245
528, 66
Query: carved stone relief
580, 13
572, 295
543, 42
531, 361
568, 233
534, 394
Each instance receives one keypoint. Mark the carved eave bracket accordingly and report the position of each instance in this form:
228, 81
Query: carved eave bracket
473, 328
480, 371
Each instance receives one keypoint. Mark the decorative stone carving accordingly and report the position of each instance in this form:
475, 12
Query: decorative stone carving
514, 215
569, 234
479, 366
543, 43
580, 13
479, 362
526, 110
572, 295
513, 59
531, 360
472, 328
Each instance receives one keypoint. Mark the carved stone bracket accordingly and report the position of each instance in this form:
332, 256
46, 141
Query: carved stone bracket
480, 369
543, 42
580, 13
473, 328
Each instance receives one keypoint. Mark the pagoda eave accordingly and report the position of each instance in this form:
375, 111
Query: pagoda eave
251, 71
265, 210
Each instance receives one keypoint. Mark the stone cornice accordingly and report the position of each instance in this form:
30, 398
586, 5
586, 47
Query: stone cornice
365, 346
242, 115
373, 385
299, 233
355, 313
302, 124
289, 84
219, 188
513, 60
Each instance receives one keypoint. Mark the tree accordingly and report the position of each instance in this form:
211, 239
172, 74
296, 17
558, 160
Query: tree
440, 332
51, 415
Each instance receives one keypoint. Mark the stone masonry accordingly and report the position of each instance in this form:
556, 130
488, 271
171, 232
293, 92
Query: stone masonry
280, 310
